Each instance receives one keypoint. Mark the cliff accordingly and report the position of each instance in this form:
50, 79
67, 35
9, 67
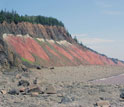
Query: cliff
36, 31
44, 45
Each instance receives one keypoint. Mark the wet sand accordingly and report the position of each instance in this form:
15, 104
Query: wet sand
115, 80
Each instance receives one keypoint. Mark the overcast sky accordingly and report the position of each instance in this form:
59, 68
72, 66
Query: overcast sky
99, 24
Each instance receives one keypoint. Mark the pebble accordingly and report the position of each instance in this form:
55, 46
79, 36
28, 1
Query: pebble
103, 103
22, 89
34, 94
3, 91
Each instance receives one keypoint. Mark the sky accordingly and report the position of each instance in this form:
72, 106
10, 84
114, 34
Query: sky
98, 24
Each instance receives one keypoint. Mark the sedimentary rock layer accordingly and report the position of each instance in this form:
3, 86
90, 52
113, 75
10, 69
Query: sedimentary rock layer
54, 53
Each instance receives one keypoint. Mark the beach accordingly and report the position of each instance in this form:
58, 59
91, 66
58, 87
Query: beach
60, 87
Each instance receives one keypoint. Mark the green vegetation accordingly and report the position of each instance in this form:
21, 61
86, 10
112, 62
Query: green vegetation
76, 40
25, 60
10, 17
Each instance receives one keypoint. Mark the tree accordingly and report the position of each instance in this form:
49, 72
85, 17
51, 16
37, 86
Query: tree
75, 38
13, 16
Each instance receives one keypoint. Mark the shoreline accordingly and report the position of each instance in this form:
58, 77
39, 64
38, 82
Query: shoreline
80, 73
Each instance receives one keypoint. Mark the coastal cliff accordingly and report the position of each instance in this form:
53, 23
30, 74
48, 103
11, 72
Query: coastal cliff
45, 45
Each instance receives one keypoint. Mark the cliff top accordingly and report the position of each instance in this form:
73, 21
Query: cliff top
13, 16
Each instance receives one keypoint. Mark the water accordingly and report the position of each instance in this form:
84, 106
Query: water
119, 79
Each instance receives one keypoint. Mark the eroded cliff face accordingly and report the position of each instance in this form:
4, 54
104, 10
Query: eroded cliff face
36, 31
36, 44
54, 53
8, 58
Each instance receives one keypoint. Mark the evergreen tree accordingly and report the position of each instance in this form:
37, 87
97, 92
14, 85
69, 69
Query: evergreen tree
10, 17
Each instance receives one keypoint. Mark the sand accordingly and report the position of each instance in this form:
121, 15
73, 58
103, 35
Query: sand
79, 73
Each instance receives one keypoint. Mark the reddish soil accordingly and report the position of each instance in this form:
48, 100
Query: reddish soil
62, 51
25, 47
94, 58
75, 54
51, 51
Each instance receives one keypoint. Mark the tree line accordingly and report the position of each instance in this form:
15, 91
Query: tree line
13, 16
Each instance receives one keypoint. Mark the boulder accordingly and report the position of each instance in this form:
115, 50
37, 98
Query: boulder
122, 95
13, 92
23, 83
24, 68
52, 68
34, 88
38, 67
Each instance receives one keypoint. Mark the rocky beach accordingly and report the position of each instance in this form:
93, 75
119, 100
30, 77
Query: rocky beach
61, 87
43, 65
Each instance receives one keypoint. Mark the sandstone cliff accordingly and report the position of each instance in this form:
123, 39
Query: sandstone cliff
37, 44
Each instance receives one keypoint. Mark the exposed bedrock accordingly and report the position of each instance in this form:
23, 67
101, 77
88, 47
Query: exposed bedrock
38, 51
36, 44
36, 31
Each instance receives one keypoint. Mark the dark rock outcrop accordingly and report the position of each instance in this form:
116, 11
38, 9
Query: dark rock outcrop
8, 58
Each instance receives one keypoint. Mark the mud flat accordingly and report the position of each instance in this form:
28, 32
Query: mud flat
60, 87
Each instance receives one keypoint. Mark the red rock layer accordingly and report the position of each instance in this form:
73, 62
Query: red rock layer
56, 54
26, 47
51, 51
62, 51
